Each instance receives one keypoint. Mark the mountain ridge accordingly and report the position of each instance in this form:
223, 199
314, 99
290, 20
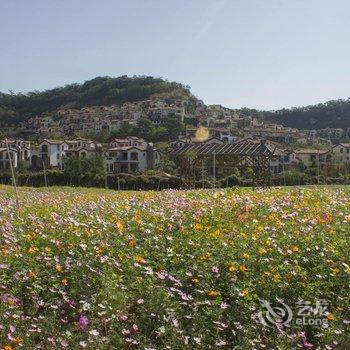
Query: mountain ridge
16, 108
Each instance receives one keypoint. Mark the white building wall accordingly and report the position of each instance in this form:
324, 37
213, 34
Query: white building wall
142, 159
4, 160
53, 153
341, 154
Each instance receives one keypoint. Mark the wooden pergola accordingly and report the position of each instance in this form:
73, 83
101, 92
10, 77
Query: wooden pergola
194, 157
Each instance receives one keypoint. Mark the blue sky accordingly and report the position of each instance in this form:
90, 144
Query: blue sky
257, 53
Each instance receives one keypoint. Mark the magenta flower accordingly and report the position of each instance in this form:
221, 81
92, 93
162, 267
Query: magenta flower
72, 303
306, 343
83, 322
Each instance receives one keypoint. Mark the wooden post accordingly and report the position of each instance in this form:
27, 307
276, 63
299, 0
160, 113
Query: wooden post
318, 167
214, 173
203, 172
79, 171
106, 176
12, 173
44, 169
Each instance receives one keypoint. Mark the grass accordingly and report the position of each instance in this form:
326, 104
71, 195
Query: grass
99, 269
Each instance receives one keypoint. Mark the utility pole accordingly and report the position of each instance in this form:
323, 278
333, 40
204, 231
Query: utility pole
106, 179
318, 167
214, 172
203, 173
13, 174
44, 169
106, 175
79, 171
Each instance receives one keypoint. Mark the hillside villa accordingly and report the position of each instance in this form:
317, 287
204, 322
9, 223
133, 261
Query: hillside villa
130, 154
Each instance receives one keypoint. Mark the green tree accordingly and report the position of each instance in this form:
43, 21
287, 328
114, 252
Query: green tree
90, 167
174, 126
145, 127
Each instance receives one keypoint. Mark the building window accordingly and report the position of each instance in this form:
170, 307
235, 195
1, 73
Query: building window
134, 156
125, 156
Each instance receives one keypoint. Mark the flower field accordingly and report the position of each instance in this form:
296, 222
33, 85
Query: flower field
98, 269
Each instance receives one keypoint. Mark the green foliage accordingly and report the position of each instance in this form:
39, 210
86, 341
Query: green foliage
333, 114
144, 128
23, 166
91, 167
150, 181
294, 178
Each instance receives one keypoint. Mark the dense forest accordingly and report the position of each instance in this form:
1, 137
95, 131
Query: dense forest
331, 114
99, 91
15, 108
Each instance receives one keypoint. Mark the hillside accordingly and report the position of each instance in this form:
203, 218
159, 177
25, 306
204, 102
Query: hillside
331, 114
107, 91
99, 91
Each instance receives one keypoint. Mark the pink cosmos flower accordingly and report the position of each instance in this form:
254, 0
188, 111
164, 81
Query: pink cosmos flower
306, 344
94, 332
215, 269
83, 322
135, 328
64, 320
123, 317
64, 343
